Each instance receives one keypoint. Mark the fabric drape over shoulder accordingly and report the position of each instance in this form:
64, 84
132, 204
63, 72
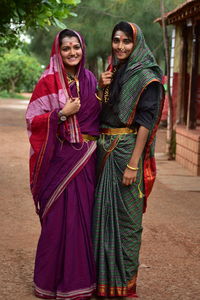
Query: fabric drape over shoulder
49, 96
141, 71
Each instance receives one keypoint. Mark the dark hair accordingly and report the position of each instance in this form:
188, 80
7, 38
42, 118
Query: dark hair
69, 33
125, 27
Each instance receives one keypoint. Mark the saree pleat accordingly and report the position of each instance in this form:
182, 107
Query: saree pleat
65, 234
117, 219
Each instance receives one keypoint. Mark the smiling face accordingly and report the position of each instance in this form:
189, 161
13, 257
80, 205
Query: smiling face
71, 53
122, 45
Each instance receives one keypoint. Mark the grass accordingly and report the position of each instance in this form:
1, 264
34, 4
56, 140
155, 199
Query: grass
7, 95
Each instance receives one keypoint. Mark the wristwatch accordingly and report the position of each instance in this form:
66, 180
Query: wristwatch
62, 117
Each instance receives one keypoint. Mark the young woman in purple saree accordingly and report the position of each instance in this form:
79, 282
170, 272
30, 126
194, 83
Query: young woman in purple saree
62, 119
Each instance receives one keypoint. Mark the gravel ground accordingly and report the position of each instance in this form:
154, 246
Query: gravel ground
169, 268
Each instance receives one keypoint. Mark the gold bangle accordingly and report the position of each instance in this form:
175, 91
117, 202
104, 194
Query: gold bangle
98, 98
131, 168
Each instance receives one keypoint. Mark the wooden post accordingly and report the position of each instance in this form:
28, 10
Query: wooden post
170, 109
191, 113
182, 77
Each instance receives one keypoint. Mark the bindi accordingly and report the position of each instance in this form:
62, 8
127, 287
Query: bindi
120, 37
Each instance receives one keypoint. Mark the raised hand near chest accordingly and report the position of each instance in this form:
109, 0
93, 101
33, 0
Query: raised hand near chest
105, 79
71, 107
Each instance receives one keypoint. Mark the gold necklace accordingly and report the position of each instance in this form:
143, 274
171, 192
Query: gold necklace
71, 79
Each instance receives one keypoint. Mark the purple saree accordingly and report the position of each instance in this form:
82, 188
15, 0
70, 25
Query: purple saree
62, 171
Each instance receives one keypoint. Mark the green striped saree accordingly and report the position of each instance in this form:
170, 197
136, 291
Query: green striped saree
118, 218
118, 210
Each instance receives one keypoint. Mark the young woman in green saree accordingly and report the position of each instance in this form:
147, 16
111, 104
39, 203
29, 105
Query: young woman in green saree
132, 101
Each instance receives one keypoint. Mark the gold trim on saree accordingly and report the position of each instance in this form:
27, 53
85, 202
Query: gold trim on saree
118, 131
122, 291
87, 137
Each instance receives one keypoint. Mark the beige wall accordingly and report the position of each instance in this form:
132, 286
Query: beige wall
177, 49
178, 40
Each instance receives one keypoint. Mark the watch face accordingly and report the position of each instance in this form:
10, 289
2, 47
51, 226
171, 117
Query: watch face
63, 118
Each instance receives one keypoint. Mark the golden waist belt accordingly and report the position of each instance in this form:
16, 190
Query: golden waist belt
117, 131
87, 137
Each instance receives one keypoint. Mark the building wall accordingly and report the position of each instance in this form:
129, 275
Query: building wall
177, 49
187, 141
188, 149
177, 65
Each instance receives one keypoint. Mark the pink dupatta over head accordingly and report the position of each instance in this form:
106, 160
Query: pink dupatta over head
52, 92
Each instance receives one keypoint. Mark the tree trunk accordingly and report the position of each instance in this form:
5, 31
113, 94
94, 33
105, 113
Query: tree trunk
104, 64
170, 109
93, 66
12, 85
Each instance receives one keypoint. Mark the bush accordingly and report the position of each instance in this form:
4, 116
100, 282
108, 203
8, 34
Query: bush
19, 72
6, 94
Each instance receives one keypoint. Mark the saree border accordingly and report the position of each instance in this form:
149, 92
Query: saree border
135, 31
41, 155
150, 162
132, 115
149, 166
122, 291
77, 168
86, 292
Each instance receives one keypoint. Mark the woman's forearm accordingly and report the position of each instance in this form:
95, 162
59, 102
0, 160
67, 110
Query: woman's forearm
141, 139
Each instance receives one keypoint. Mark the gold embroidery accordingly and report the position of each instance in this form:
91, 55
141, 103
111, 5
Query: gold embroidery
106, 92
70, 78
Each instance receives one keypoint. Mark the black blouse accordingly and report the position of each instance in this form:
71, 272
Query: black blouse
145, 111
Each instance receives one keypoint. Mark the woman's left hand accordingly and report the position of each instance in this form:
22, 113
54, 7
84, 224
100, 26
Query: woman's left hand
129, 177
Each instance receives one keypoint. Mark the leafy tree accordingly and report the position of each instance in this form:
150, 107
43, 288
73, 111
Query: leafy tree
18, 72
95, 21
97, 18
19, 15
41, 43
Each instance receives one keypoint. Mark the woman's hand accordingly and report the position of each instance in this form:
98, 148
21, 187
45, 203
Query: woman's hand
105, 79
129, 177
71, 107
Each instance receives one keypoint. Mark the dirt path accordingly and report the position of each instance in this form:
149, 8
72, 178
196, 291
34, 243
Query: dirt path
170, 250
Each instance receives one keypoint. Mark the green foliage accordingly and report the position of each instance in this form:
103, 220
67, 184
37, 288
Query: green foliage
6, 94
41, 43
18, 72
19, 15
95, 21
